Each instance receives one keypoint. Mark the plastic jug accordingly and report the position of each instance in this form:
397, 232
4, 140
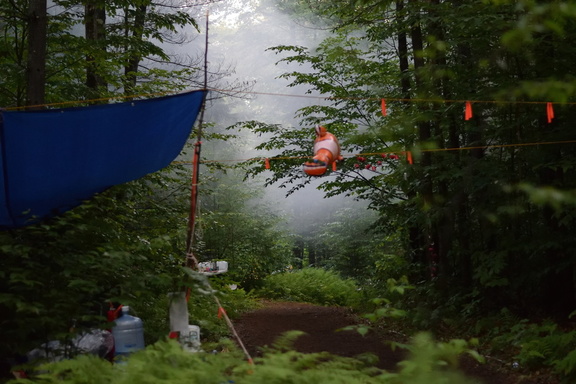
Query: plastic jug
128, 333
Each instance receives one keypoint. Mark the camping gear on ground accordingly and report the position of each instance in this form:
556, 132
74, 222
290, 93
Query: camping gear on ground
95, 342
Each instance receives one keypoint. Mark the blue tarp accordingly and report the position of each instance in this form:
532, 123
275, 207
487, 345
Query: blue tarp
52, 160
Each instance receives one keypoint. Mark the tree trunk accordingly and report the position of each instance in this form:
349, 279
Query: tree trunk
95, 21
402, 51
131, 67
36, 64
424, 135
311, 254
298, 253
417, 239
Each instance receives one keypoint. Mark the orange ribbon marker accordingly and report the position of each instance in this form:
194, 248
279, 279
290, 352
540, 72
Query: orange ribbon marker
383, 107
409, 157
549, 112
267, 163
468, 111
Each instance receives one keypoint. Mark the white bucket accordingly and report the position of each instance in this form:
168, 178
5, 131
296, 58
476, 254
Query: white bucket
190, 340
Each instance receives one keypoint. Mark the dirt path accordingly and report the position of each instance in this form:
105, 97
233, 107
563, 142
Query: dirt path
261, 328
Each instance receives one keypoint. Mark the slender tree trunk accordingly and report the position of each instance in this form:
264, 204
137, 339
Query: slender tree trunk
36, 64
417, 239
424, 135
424, 129
311, 254
95, 21
298, 253
403, 51
558, 288
444, 224
131, 67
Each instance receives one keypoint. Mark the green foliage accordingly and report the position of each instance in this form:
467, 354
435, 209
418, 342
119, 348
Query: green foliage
430, 363
132, 32
443, 355
484, 215
203, 309
559, 200
238, 227
124, 245
389, 305
478, 222
565, 366
310, 285
544, 345
164, 361
350, 244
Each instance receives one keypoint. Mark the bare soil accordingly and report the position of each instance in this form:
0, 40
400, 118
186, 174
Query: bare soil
322, 325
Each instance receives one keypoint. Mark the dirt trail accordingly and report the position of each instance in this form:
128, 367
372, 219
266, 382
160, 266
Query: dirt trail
262, 327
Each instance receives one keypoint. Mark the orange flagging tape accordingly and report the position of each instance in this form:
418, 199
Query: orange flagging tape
468, 111
383, 107
319, 97
549, 112
530, 144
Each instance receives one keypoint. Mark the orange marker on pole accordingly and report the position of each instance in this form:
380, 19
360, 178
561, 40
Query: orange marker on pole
383, 107
267, 163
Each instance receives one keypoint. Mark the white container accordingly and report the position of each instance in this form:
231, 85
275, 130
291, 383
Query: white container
178, 312
211, 268
190, 340
128, 334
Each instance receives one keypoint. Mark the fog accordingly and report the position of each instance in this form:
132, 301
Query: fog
240, 33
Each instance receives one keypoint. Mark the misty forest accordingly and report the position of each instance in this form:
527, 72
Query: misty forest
448, 218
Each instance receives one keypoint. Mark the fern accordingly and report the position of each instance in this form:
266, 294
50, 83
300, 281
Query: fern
566, 367
542, 346
430, 363
311, 285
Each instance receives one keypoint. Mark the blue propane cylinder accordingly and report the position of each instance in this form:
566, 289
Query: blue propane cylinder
128, 333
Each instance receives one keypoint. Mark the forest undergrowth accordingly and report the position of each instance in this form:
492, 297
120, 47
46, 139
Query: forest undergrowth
501, 341
434, 353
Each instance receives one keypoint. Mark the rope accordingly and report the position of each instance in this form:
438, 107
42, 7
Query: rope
91, 101
222, 312
191, 261
388, 152
276, 94
403, 100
